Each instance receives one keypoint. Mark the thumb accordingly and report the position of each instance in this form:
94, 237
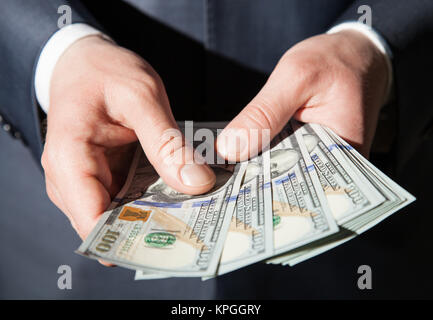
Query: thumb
165, 147
263, 118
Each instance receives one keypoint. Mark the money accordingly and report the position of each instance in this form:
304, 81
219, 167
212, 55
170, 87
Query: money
392, 198
306, 194
300, 210
395, 196
348, 192
151, 216
250, 237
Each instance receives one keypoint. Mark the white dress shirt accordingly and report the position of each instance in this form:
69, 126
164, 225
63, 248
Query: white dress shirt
66, 36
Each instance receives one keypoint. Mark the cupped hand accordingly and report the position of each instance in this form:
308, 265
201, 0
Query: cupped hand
338, 80
102, 99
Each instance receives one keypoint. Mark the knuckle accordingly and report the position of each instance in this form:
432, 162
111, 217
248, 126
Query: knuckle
53, 156
261, 114
46, 159
145, 89
170, 148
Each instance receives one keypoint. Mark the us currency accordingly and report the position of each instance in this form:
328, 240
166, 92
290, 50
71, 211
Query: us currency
198, 130
394, 197
300, 209
348, 192
157, 230
250, 237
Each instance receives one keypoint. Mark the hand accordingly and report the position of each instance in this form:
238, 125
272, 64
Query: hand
337, 80
102, 99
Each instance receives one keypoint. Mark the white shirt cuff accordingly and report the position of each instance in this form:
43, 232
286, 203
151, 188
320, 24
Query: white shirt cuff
378, 41
52, 51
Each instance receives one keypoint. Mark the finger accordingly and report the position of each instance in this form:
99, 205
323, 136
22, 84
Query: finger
266, 115
86, 199
106, 264
73, 172
148, 113
54, 196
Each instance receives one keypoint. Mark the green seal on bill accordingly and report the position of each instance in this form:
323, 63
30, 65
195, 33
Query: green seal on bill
159, 239
276, 220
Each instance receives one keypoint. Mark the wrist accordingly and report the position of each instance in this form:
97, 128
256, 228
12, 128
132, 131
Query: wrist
73, 65
79, 50
53, 49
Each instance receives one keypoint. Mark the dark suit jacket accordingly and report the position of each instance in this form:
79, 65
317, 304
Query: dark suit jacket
215, 55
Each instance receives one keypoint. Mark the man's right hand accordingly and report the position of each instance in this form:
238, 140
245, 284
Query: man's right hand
103, 98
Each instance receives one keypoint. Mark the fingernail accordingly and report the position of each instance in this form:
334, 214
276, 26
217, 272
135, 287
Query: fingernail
196, 175
232, 143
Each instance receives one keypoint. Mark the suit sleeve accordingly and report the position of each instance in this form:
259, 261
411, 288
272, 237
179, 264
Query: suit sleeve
407, 26
25, 27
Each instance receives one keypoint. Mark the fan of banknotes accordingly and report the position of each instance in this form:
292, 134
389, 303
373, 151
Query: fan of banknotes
308, 193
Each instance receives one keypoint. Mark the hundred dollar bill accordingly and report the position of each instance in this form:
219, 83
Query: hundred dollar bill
300, 210
365, 223
158, 230
348, 192
201, 136
394, 196
250, 237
